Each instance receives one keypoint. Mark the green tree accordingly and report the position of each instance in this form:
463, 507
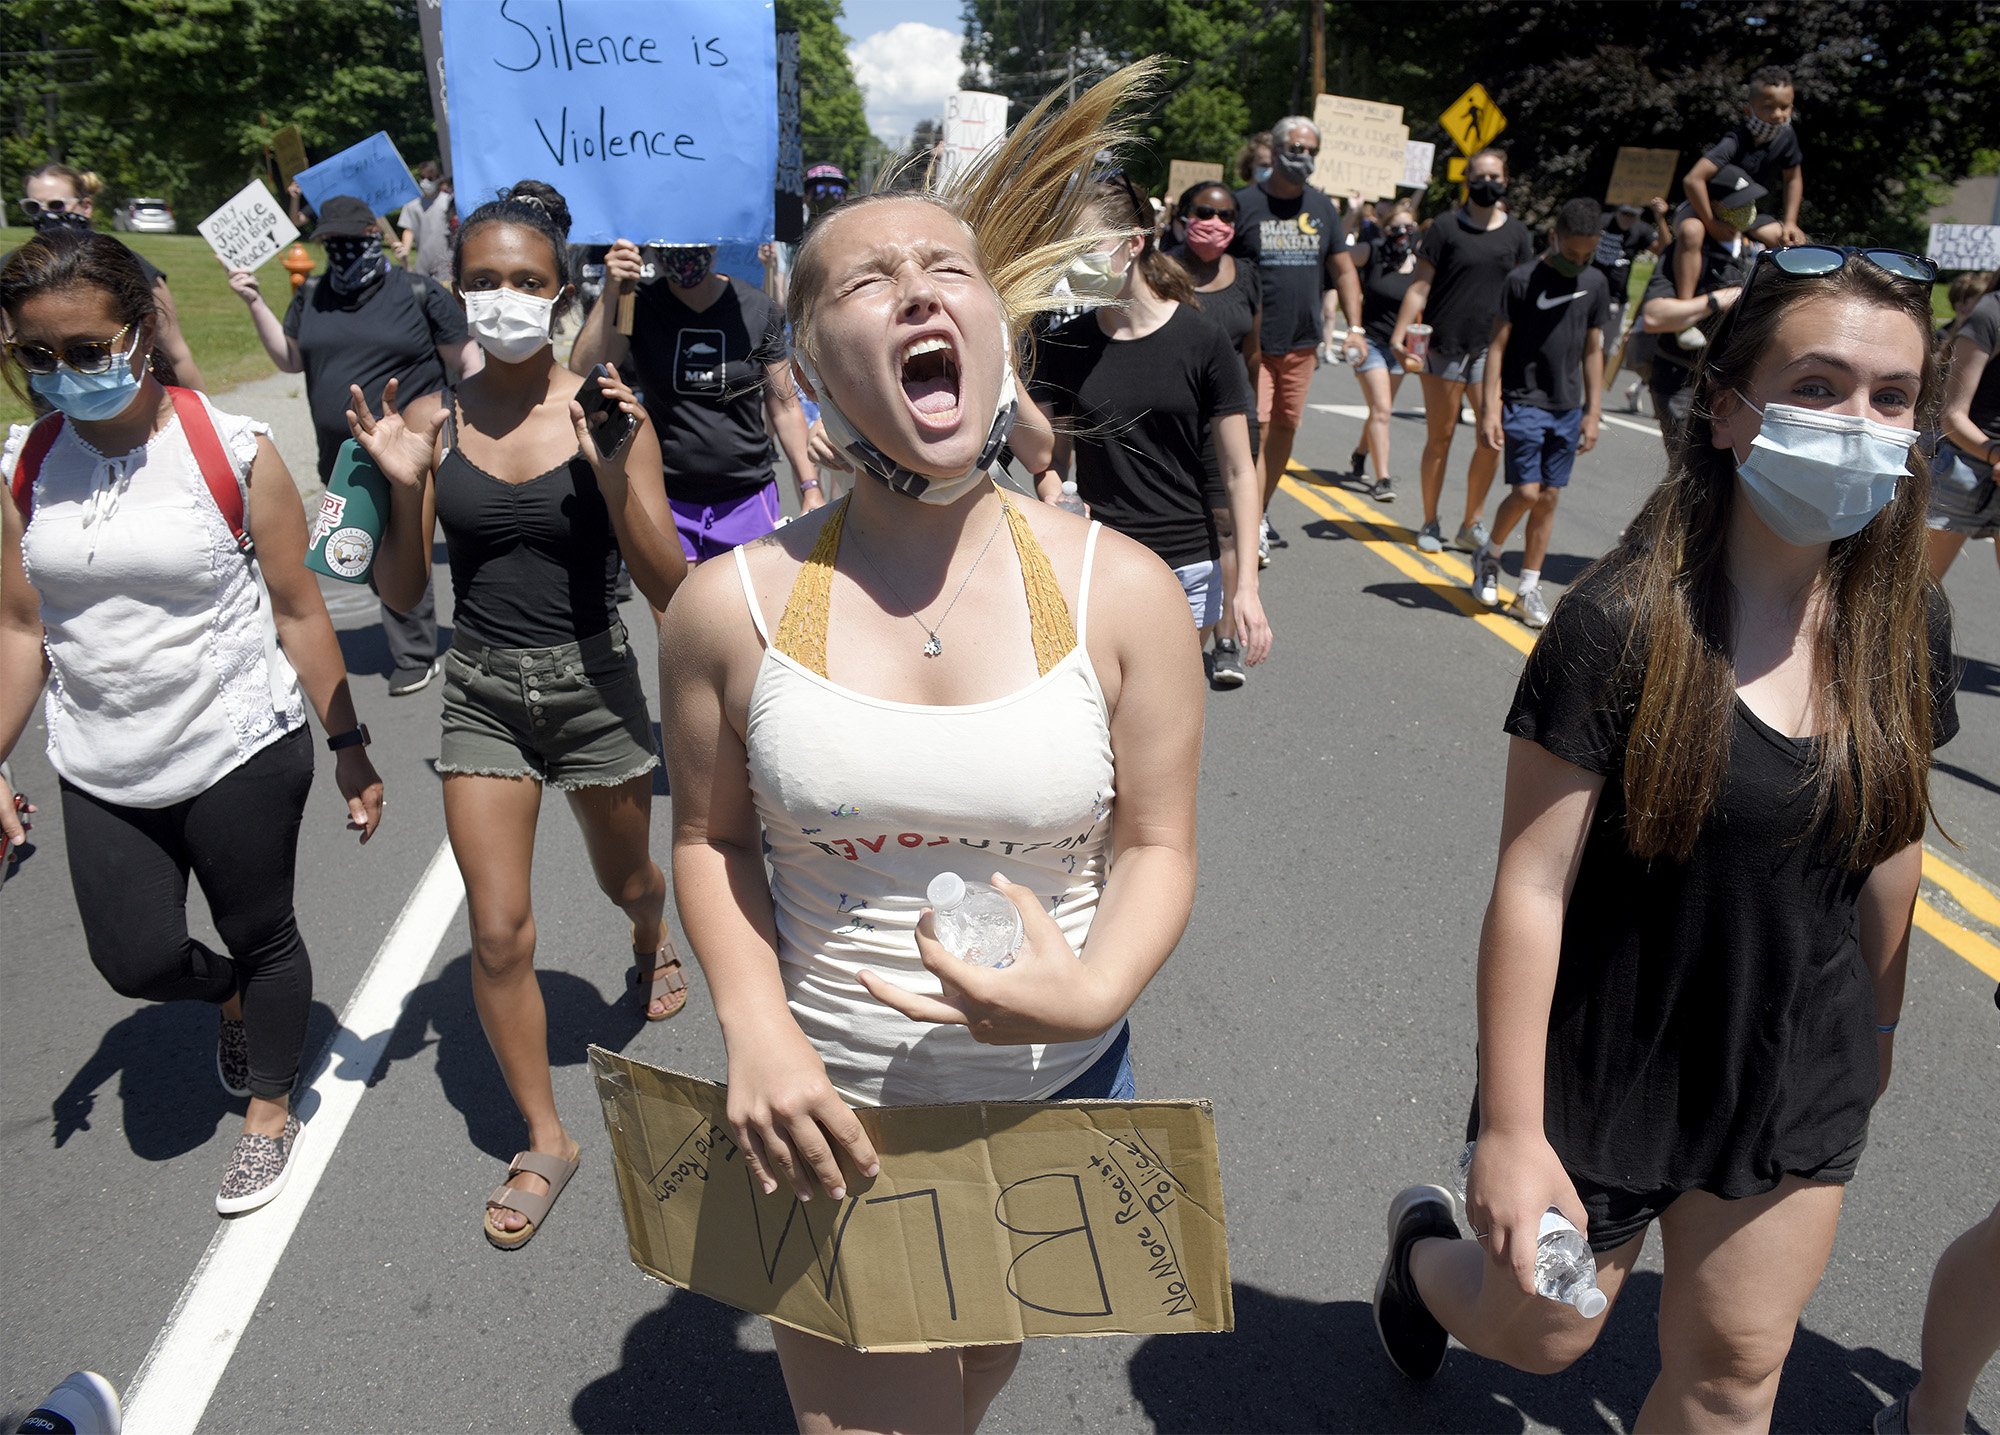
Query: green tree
832, 120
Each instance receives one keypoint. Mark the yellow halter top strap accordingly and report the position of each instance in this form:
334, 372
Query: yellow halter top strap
801, 632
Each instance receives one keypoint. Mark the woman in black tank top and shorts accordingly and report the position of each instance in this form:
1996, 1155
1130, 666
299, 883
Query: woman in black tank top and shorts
541, 687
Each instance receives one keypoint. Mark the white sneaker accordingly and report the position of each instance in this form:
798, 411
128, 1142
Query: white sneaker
1486, 578
84, 1403
1691, 338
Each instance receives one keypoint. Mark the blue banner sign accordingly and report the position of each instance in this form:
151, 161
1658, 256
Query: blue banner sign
371, 171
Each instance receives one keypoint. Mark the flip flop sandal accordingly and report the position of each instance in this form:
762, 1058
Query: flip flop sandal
659, 976
533, 1205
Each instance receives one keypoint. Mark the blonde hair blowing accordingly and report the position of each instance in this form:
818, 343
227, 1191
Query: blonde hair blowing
1021, 202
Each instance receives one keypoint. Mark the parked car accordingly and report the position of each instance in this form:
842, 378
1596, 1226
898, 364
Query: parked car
144, 216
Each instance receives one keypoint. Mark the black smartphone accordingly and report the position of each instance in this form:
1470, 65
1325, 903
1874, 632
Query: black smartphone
609, 425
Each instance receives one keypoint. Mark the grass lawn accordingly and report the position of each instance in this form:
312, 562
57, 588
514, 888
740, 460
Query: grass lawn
216, 324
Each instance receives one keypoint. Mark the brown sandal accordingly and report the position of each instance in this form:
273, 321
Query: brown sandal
531, 1204
659, 976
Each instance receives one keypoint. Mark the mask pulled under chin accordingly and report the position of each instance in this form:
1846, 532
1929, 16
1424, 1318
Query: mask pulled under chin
1816, 477
924, 487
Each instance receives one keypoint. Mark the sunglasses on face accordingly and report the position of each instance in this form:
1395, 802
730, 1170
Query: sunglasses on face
1209, 211
1305, 149
86, 356
1813, 261
36, 207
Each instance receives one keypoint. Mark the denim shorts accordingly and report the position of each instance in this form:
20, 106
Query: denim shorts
1109, 1077
1379, 356
1541, 444
571, 716
1202, 582
1964, 497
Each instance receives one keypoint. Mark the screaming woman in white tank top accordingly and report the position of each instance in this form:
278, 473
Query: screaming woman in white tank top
863, 800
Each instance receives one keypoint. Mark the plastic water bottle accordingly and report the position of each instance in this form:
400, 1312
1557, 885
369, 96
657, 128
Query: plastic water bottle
1565, 1270
1070, 502
975, 923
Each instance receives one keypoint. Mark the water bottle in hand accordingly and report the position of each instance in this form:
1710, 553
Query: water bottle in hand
1565, 1270
974, 922
1071, 502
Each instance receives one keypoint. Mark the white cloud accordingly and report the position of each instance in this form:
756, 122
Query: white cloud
906, 71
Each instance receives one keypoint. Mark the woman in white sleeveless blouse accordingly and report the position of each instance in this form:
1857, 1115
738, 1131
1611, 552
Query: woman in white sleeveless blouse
916, 680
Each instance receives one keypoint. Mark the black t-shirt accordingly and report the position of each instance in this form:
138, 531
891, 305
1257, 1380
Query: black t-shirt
1383, 286
1551, 318
1617, 248
1713, 1025
1472, 268
703, 382
1720, 269
1234, 310
1141, 410
1982, 327
1765, 163
1289, 241
385, 332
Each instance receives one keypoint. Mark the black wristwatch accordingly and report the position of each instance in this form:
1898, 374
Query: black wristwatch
353, 737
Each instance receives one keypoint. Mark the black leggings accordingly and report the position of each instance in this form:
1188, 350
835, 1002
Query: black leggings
129, 867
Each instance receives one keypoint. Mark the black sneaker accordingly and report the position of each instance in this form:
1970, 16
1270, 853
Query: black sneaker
1383, 490
1357, 463
1226, 666
1272, 537
1410, 1335
413, 680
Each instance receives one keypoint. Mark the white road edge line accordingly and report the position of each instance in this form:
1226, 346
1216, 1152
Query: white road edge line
1632, 424
171, 1392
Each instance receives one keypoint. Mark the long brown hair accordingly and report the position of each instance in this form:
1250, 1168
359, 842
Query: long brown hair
1871, 645
1119, 204
66, 259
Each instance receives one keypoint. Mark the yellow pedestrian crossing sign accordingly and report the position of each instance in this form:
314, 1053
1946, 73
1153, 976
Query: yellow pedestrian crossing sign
1473, 120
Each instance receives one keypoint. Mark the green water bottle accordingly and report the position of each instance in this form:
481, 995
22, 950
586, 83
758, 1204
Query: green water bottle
347, 530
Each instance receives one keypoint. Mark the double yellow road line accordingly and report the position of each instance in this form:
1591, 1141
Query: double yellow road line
1959, 909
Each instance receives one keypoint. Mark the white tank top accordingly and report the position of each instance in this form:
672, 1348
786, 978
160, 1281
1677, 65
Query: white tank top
164, 669
864, 800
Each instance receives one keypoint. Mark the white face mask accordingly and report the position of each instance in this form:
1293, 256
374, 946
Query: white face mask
924, 487
1816, 477
1090, 276
508, 324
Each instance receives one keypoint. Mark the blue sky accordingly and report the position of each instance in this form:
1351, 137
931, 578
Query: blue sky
905, 54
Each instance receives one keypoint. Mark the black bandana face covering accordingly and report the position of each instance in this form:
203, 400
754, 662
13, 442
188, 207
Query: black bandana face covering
354, 264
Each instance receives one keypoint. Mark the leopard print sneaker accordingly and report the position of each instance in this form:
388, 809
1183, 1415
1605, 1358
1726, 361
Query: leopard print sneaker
257, 1169
232, 1058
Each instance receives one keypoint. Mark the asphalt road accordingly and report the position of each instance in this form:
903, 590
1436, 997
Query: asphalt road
1322, 997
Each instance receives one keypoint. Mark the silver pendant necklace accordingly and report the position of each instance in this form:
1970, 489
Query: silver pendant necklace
933, 645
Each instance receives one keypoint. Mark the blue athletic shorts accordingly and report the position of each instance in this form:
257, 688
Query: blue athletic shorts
1109, 1077
1541, 446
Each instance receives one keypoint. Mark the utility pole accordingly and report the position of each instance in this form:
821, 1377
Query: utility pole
1318, 50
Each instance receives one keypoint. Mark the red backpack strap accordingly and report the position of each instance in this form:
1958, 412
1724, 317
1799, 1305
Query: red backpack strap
199, 430
28, 466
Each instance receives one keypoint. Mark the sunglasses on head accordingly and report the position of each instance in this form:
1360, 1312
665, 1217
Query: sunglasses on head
1209, 211
35, 207
88, 356
1812, 261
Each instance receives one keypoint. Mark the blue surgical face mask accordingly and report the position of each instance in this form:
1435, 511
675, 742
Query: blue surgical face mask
1816, 477
90, 398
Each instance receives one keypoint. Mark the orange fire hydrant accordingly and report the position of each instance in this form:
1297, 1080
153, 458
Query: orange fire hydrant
298, 262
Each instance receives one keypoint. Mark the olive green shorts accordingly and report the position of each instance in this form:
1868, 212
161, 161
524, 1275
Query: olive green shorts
570, 716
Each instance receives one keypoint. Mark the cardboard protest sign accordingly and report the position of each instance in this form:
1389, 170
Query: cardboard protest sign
372, 172
249, 228
989, 1222
1419, 157
973, 120
657, 119
1360, 146
1641, 175
290, 148
1184, 172
1965, 246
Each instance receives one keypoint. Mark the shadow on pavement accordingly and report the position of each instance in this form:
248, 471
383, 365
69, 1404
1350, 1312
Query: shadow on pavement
440, 1013
1560, 568
685, 1368
1414, 596
163, 1056
1979, 677
1301, 1365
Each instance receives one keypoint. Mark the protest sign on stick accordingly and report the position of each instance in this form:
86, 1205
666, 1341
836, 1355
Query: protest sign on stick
1419, 158
657, 119
1184, 172
372, 172
1641, 175
988, 1222
973, 121
290, 148
1965, 246
249, 228
1361, 147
